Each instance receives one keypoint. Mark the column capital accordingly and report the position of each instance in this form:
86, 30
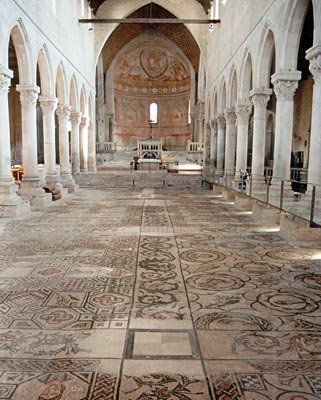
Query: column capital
28, 95
84, 121
315, 68
48, 104
230, 116
213, 123
221, 121
285, 84
243, 110
63, 112
5, 80
75, 118
260, 97
313, 52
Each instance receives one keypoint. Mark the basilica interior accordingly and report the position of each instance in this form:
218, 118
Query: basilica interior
160, 199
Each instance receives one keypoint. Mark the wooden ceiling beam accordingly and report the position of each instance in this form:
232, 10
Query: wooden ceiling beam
148, 21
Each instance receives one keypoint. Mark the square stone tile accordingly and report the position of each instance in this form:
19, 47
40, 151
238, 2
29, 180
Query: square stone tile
161, 344
158, 343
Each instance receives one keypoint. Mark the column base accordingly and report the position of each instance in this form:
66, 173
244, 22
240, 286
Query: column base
297, 229
11, 205
68, 182
31, 191
265, 214
228, 195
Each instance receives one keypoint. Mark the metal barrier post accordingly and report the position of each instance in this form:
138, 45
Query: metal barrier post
251, 183
282, 194
133, 182
312, 207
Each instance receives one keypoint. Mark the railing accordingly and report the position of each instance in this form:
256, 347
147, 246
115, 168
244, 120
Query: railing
277, 192
195, 147
104, 148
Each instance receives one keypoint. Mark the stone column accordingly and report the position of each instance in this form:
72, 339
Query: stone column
30, 187
75, 159
230, 141
220, 143
260, 98
314, 175
213, 151
110, 128
207, 144
192, 135
285, 85
91, 147
243, 112
63, 113
48, 106
83, 144
11, 205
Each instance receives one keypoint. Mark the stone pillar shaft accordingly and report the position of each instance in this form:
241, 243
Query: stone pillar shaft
28, 97
213, 151
230, 141
75, 159
5, 156
48, 107
63, 113
83, 143
11, 205
314, 176
220, 142
243, 111
91, 147
285, 85
260, 99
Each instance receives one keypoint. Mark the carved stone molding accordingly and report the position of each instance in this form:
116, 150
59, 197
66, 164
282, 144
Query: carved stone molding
75, 118
315, 68
243, 112
5, 80
84, 122
48, 105
28, 96
221, 122
284, 90
213, 123
260, 100
63, 113
230, 116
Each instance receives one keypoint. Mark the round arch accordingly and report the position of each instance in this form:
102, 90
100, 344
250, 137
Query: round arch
232, 96
294, 18
21, 43
73, 95
45, 72
246, 76
61, 88
265, 58
83, 102
223, 99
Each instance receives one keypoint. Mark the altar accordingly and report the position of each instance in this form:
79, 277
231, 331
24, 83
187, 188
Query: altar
149, 155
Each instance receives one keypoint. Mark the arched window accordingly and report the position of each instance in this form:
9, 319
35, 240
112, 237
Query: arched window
153, 113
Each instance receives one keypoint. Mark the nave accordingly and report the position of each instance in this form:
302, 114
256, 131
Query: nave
155, 293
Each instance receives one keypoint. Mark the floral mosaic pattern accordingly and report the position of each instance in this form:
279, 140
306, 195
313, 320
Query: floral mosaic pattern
83, 281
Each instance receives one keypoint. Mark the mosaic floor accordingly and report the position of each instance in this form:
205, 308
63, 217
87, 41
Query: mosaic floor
145, 294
